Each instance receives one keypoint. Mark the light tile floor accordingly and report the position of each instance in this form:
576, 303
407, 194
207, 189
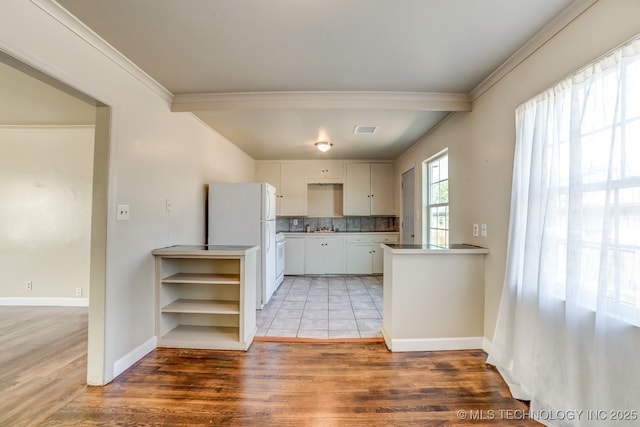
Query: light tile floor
324, 307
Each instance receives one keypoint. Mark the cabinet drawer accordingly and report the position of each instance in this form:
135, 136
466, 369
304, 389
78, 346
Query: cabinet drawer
359, 239
385, 239
373, 238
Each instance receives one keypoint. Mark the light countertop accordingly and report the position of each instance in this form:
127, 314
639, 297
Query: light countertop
204, 250
339, 233
453, 248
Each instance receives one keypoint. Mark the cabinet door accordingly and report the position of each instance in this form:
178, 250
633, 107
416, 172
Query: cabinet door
357, 191
382, 200
377, 259
294, 255
359, 259
314, 255
325, 172
334, 171
315, 172
334, 255
324, 255
293, 189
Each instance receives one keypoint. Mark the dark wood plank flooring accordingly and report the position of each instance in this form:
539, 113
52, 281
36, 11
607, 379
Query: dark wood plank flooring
273, 384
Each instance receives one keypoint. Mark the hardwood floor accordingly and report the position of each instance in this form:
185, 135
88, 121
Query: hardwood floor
273, 384
43, 361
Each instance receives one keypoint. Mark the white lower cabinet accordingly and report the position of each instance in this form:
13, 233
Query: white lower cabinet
340, 253
364, 252
205, 297
359, 258
294, 255
324, 255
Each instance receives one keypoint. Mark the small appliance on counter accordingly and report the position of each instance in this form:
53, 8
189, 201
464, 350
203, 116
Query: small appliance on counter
245, 214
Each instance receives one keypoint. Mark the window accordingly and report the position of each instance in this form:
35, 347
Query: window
581, 142
563, 337
436, 200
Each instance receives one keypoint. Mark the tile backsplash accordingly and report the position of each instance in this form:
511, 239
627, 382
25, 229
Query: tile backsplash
344, 224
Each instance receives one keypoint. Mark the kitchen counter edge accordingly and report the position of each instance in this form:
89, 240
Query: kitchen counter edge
401, 249
336, 233
204, 250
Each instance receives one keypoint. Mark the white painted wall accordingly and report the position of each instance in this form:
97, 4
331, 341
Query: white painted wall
154, 155
45, 214
481, 142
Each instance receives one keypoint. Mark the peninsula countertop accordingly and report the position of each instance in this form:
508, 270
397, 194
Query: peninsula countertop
452, 248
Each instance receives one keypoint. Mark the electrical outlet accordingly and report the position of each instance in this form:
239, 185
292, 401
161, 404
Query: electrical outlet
123, 213
29, 285
295, 221
483, 230
79, 292
475, 230
168, 205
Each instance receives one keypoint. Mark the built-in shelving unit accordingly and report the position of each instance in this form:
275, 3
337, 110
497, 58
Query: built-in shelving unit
205, 296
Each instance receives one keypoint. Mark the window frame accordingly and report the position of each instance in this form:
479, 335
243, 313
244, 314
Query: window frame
428, 205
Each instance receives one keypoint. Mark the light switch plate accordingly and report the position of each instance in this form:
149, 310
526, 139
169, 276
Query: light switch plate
483, 230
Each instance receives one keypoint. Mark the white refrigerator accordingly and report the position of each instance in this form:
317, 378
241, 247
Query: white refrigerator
245, 214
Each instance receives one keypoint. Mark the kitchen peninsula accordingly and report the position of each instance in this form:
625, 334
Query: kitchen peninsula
433, 297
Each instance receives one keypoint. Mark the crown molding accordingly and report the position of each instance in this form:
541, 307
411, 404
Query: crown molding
423, 101
557, 24
60, 14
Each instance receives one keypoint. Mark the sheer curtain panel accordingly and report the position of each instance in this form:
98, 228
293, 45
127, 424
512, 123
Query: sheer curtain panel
568, 331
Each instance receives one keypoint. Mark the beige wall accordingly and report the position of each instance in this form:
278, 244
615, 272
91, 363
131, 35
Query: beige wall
154, 155
481, 142
45, 215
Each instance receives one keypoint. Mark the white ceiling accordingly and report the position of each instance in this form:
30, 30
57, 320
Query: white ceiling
344, 63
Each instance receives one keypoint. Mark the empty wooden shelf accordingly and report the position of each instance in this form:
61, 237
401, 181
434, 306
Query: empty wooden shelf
205, 296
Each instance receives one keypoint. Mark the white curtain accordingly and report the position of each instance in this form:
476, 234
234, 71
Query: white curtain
568, 331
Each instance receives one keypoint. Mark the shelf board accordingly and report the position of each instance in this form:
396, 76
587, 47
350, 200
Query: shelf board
203, 278
202, 307
205, 337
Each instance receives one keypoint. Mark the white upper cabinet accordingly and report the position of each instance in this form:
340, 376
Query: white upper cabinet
369, 189
328, 172
293, 193
357, 191
289, 179
382, 200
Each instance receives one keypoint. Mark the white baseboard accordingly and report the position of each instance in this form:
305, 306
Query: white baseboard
53, 302
133, 356
486, 345
434, 344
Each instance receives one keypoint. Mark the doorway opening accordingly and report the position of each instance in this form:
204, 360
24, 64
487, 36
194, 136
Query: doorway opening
58, 140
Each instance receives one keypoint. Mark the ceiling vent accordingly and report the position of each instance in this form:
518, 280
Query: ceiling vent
366, 130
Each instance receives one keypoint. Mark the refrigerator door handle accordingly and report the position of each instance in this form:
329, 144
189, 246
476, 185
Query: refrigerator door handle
268, 236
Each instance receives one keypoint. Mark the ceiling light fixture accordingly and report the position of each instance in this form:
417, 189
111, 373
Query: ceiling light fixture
324, 146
